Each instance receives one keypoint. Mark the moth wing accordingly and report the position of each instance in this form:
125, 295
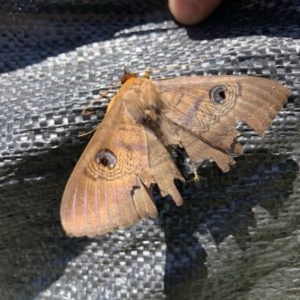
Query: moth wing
202, 112
105, 191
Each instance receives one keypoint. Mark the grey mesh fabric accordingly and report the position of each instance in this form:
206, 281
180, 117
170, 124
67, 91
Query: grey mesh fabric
236, 236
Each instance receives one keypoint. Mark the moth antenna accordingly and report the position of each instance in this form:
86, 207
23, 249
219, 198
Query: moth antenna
86, 111
80, 135
125, 70
148, 72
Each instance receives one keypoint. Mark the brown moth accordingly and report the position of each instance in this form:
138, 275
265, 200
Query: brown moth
110, 187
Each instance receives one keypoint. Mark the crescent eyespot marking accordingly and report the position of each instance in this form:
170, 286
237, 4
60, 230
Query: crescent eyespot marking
124, 163
106, 158
218, 94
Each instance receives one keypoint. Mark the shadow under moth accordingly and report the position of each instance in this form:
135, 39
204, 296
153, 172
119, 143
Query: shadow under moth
110, 187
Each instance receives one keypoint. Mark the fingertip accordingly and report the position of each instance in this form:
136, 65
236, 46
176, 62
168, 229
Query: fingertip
191, 12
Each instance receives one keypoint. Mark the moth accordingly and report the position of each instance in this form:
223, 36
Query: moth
110, 187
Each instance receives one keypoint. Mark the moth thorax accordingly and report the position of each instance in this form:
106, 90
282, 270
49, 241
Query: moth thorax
150, 115
106, 158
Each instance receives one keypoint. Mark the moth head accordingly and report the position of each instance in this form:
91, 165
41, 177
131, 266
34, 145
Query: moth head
106, 158
218, 94
127, 75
